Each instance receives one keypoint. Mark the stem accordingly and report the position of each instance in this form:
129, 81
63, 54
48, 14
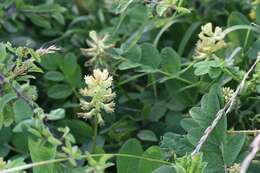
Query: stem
249, 132
46, 162
95, 126
169, 24
247, 38
175, 77
154, 85
239, 27
230, 74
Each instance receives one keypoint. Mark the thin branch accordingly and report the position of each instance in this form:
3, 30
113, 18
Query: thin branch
222, 112
255, 147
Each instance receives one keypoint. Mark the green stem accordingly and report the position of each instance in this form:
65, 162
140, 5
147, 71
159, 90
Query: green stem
95, 126
46, 162
249, 132
154, 85
239, 27
247, 38
176, 77
230, 74
169, 24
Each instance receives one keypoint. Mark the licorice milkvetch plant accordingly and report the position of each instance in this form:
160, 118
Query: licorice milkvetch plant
101, 98
123, 86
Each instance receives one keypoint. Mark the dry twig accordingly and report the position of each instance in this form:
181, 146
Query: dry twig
255, 147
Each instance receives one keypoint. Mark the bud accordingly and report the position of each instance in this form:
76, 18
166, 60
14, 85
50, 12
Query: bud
227, 93
234, 168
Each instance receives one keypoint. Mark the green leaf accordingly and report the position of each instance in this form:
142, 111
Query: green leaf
2, 52
233, 147
51, 61
146, 166
164, 169
122, 5
134, 54
40, 150
204, 67
157, 111
22, 110
5, 137
258, 14
54, 76
210, 105
131, 58
79, 129
171, 61
56, 114
69, 64
39, 21
4, 100
150, 56
147, 135
43, 8
20, 141
59, 18
128, 65
179, 100
126, 164
238, 37
190, 164
161, 8
254, 49
59, 91
71, 69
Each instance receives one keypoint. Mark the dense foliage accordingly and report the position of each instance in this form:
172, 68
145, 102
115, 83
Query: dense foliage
144, 86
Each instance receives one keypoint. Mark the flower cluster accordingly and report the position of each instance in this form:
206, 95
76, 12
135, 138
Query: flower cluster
252, 13
209, 41
98, 46
2, 163
100, 95
227, 93
234, 168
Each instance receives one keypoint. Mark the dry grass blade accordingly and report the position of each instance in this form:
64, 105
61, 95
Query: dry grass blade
227, 108
48, 50
255, 148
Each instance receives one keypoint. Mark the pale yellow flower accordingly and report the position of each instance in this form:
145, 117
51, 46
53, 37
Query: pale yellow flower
227, 93
209, 41
97, 51
100, 94
234, 168
2, 163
